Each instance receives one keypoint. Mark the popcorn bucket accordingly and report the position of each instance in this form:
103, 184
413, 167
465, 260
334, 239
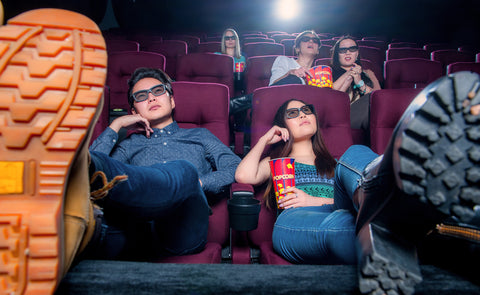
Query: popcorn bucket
321, 77
283, 175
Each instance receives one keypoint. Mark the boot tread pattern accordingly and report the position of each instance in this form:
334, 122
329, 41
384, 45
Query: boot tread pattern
382, 273
51, 80
440, 150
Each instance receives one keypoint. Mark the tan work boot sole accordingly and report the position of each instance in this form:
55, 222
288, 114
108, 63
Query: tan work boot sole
52, 74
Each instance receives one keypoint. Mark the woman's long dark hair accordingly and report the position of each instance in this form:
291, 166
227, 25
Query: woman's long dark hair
324, 161
337, 69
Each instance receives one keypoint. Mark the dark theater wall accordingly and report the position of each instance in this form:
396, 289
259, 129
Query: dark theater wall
416, 20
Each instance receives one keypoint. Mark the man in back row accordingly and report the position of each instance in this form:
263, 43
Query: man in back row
148, 191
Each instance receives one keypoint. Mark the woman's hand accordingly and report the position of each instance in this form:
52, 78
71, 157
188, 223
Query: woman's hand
294, 198
275, 134
356, 72
133, 122
300, 72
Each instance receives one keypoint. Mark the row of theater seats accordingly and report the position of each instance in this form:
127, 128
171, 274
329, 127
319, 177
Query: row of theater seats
201, 104
208, 67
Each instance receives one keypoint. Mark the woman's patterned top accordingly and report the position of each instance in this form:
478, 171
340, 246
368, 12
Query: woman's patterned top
308, 180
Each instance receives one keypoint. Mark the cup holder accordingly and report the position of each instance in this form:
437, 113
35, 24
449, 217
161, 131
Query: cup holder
243, 213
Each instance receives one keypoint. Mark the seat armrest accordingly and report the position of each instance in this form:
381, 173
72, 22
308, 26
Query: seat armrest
241, 190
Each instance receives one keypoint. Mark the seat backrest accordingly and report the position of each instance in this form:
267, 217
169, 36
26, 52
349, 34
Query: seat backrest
206, 67
203, 105
324, 51
382, 45
172, 50
104, 119
263, 48
386, 108
121, 66
259, 71
329, 42
206, 105
411, 72
254, 35
192, 41
463, 66
256, 40
280, 37
406, 52
373, 54
448, 56
429, 47
366, 64
121, 45
333, 109
403, 44
288, 45
209, 47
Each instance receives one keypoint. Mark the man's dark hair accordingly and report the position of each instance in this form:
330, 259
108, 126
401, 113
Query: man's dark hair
142, 73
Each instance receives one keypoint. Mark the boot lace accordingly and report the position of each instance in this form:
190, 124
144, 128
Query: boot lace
107, 186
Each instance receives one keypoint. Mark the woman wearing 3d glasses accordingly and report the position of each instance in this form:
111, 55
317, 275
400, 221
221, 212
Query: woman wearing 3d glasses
358, 83
347, 71
288, 70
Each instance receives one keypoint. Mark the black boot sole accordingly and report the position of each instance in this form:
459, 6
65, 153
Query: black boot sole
439, 151
435, 156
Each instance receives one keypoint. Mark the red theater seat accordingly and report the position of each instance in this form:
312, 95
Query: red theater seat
205, 105
121, 66
411, 72
114, 45
263, 48
259, 71
448, 56
403, 44
172, 50
333, 108
209, 47
404, 52
386, 108
463, 66
206, 67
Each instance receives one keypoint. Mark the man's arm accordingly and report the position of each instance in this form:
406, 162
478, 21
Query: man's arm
224, 163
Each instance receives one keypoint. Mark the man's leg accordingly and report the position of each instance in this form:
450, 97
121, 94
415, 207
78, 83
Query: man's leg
169, 195
52, 73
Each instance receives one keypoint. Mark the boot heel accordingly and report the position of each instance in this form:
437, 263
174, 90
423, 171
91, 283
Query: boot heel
437, 155
388, 265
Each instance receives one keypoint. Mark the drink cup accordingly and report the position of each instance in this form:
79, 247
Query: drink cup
283, 175
239, 67
321, 77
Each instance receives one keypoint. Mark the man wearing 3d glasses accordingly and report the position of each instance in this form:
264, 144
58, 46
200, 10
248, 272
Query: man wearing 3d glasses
161, 209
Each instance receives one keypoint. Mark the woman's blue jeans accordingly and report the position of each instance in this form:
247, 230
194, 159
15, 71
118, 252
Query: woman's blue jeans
325, 234
160, 210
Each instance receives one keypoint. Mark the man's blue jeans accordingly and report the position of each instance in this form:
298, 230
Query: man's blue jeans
325, 234
160, 210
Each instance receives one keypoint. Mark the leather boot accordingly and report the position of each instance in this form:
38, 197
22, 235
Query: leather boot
429, 172
52, 76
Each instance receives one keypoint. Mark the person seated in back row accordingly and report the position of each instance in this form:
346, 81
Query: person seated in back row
289, 70
350, 77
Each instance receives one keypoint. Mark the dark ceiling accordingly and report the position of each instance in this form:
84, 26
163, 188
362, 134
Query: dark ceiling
442, 20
